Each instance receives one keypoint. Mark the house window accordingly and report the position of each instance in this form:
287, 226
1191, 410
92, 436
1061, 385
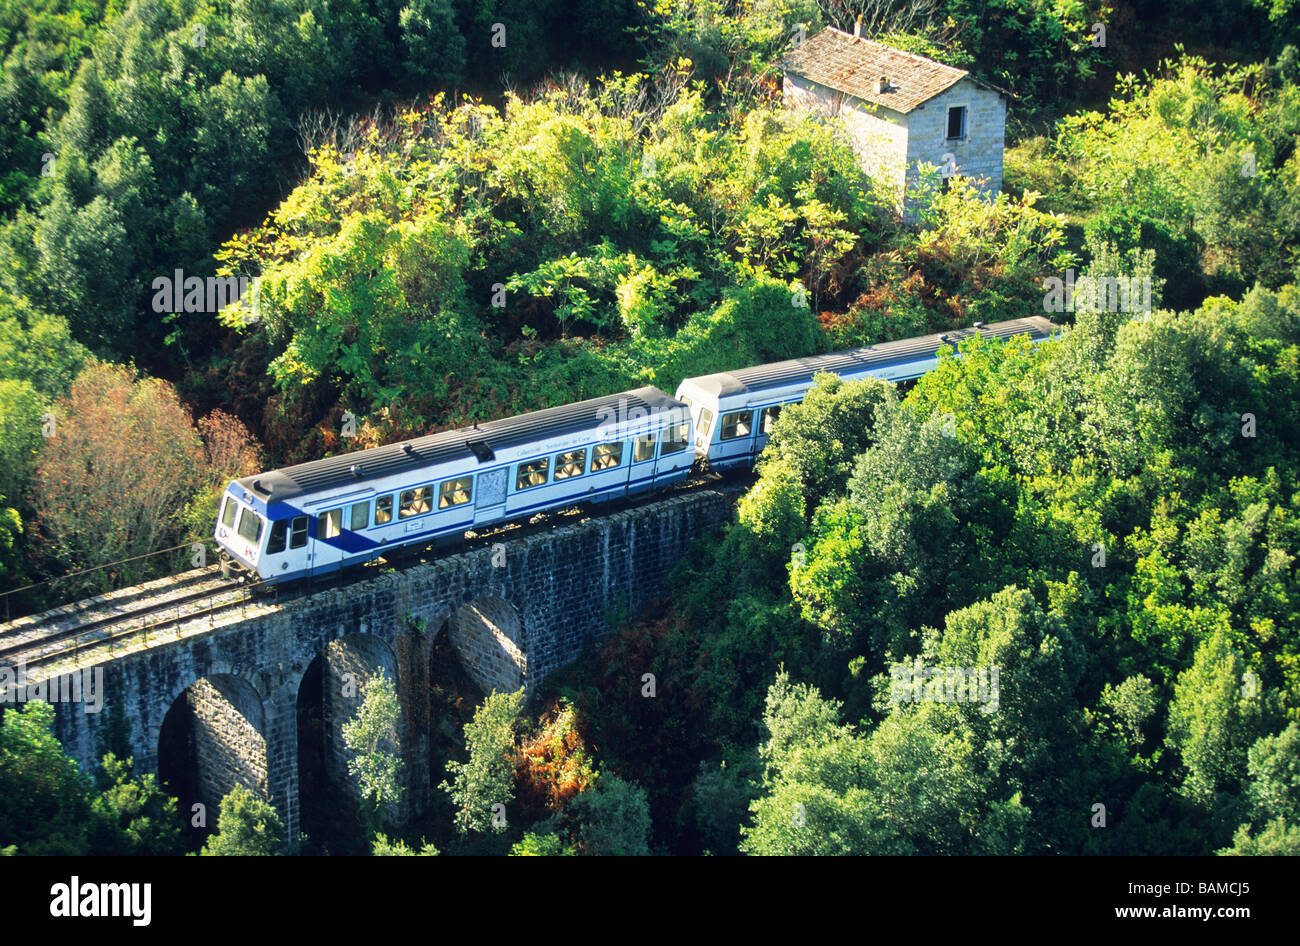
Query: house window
957, 122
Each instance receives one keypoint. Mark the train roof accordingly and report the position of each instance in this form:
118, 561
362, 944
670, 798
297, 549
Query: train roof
783, 373
467, 442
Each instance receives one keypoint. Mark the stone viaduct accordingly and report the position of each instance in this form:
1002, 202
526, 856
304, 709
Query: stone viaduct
514, 611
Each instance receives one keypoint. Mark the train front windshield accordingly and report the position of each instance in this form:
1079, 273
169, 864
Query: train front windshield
250, 526
237, 522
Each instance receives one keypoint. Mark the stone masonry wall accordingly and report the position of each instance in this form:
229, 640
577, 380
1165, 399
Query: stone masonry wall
227, 716
979, 155
486, 634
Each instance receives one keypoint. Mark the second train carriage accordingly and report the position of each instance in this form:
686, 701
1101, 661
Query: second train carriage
733, 411
314, 518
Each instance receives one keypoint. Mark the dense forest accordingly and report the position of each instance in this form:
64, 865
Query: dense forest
456, 210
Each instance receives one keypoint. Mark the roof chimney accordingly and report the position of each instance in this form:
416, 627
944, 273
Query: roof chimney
883, 84
857, 27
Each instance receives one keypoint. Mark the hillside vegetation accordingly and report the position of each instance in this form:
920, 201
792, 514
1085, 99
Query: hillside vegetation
455, 210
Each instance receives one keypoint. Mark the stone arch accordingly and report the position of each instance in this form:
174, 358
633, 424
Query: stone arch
330, 692
488, 636
212, 738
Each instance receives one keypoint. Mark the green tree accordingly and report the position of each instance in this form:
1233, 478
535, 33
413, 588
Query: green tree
45, 804
818, 439
134, 816
1273, 796
435, 48
1214, 719
1034, 666
247, 826
372, 737
383, 847
486, 779
612, 818
814, 799
720, 797
542, 844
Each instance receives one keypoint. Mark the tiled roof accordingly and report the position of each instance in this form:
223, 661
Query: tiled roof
854, 65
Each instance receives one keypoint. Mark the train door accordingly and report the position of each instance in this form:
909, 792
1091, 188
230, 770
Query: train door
490, 496
704, 430
641, 472
736, 439
766, 420
326, 541
674, 456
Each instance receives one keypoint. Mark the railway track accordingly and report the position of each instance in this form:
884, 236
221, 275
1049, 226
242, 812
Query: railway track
46, 639
175, 603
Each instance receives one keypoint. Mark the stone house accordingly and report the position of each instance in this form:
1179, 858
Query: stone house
901, 110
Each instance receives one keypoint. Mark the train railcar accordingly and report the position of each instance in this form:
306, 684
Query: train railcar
314, 518
733, 411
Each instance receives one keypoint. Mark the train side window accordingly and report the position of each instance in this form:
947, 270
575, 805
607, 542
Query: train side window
606, 456
673, 439
690, 405
415, 502
528, 475
737, 424
767, 420
279, 535
228, 512
455, 492
359, 517
298, 532
383, 510
329, 525
706, 420
644, 449
250, 526
572, 463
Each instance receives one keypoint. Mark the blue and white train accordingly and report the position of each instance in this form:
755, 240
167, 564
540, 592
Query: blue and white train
317, 517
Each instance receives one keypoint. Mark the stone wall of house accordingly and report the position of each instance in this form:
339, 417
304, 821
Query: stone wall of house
979, 154
878, 135
890, 145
